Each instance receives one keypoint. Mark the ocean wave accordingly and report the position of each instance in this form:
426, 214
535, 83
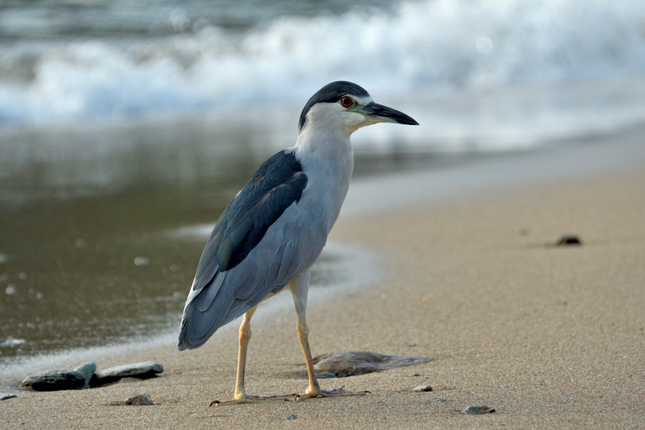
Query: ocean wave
430, 46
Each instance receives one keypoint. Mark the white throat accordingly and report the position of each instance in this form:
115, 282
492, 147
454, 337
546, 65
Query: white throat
325, 152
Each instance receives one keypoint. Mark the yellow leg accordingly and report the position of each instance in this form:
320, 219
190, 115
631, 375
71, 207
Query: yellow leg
240, 395
299, 289
303, 335
245, 337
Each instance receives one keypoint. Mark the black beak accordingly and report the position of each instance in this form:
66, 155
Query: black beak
379, 113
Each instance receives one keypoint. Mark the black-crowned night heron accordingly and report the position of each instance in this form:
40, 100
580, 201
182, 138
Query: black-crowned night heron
274, 230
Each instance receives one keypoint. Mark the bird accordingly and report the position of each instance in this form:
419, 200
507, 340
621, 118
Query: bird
274, 230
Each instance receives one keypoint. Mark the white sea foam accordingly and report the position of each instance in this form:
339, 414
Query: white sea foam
427, 46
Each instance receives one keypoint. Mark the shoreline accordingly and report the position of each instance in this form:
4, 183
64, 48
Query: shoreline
352, 270
549, 337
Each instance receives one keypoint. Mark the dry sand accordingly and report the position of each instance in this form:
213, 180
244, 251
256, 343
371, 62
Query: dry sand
551, 337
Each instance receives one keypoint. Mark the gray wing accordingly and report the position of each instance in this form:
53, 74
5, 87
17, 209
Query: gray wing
264, 238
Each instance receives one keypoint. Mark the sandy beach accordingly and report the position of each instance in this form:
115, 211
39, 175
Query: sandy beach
126, 127
550, 337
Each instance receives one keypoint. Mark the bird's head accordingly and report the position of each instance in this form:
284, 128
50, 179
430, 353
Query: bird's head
344, 106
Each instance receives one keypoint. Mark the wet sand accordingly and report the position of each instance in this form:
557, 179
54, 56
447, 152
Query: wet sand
551, 337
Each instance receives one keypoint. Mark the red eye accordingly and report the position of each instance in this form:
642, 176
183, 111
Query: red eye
346, 101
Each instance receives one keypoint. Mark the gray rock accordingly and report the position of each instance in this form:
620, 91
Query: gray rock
5, 396
53, 380
139, 400
422, 388
148, 369
291, 417
87, 370
350, 363
477, 410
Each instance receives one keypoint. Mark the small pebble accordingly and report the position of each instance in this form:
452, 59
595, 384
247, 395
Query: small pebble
422, 388
415, 374
4, 396
139, 400
292, 417
477, 410
568, 239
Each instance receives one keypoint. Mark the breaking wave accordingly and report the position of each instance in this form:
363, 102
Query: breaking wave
431, 46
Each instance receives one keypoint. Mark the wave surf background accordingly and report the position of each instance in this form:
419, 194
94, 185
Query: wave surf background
76, 61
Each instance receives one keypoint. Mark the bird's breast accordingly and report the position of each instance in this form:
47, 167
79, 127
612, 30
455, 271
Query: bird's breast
325, 193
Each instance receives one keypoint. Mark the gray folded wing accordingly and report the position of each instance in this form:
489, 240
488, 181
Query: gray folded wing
264, 238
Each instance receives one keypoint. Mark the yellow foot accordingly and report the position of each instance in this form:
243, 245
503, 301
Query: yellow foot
254, 399
331, 393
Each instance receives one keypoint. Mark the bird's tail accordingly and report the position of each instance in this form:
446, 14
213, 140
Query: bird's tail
204, 313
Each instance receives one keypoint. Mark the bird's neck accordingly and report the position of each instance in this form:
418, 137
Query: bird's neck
326, 152
328, 161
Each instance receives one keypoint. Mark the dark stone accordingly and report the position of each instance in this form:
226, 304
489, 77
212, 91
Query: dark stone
5, 396
292, 417
568, 239
54, 380
350, 363
145, 370
139, 400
